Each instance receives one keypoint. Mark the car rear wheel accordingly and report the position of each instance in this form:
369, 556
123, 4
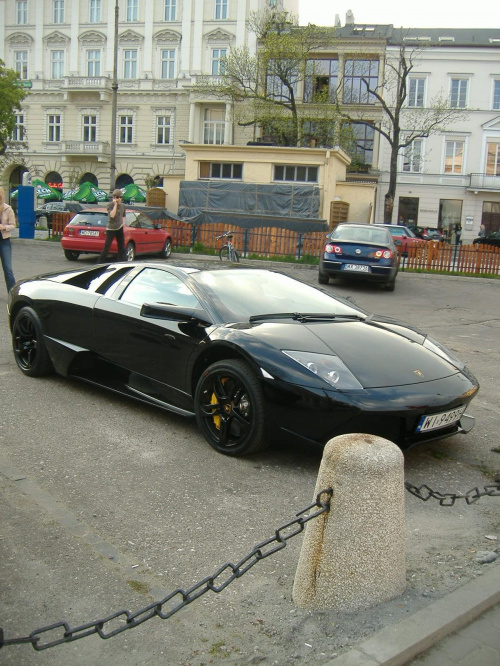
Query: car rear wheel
390, 286
167, 249
130, 252
71, 255
323, 278
30, 352
230, 409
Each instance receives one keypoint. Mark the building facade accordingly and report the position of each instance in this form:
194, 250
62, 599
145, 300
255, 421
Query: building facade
64, 53
451, 177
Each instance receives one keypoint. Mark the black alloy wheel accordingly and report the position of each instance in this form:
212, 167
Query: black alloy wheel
230, 409
30, 352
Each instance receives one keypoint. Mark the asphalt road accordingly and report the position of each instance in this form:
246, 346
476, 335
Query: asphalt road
106, 504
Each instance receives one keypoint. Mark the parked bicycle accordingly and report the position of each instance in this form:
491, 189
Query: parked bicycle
228, 252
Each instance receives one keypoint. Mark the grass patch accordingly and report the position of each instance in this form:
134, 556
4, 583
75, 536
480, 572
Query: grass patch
137, 586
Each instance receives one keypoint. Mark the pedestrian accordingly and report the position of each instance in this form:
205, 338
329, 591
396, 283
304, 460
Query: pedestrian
482, 231
116, 218
458, 233
7, 223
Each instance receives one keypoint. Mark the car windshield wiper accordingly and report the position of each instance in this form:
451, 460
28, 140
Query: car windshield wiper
305, 316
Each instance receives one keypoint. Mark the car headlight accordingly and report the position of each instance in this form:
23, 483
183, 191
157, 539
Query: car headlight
328, 367
440, 350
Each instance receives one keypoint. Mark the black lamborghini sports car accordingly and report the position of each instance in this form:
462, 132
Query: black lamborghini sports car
250, 353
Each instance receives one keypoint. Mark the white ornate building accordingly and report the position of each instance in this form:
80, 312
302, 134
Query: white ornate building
63, 51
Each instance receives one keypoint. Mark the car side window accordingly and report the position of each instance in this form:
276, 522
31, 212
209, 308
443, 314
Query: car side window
156, 286
145, 222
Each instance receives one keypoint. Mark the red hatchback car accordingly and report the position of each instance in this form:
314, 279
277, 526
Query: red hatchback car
86, 233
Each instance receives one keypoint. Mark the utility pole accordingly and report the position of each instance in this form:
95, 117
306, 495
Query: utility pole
114, 104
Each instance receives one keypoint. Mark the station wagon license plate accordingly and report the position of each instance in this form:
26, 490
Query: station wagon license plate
88, 232
442, 420
357, 267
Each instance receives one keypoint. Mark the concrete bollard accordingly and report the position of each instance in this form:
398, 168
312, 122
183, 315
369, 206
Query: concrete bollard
354, 556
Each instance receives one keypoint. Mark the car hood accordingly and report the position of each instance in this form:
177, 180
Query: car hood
378, 355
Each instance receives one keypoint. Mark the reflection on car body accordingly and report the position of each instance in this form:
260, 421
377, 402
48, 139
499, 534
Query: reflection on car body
250, 353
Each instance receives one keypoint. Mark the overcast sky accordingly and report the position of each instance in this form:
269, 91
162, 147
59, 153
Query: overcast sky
419, 14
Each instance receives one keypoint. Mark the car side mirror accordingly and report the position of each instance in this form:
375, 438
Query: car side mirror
397, 242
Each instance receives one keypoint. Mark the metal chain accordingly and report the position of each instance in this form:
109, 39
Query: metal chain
227, 573
178, 599
425, 493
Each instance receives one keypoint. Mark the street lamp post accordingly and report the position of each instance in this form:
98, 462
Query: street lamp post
114, 101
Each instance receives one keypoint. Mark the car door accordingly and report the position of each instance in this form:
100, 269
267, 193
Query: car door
154, 238
155, 348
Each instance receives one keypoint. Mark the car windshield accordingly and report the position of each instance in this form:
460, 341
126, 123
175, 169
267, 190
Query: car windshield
241, 294
363, 234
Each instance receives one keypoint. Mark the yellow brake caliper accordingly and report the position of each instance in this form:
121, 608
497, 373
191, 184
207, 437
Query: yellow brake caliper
214, 401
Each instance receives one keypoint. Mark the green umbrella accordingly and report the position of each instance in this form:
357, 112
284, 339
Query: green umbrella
44, 191
133, 192
86, 193
68, 196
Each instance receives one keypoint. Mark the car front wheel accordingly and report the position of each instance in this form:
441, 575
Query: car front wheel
229, 407
130, 252
30, 352
167, 249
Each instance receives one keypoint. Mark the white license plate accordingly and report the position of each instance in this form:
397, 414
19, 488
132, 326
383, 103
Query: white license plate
88, 232
442, 420
357, 267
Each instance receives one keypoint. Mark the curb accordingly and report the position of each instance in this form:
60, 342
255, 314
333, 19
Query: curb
398, 644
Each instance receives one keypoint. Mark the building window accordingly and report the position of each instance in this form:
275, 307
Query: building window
496, 94
493, 159
168, 64
225, 170
454, 157
214, 126
19, 131
296, 174
95, 11
416, 92
54, 127
130, 64
413, 157
94, 62
277, 73
131, 10
89, 128
163, 129
361, 143
58, 11
22, 12
57, 64
450, 215
217, 65
170, 10
359, 76
21, 64
458, 93
126, 129
220, 10
321, 81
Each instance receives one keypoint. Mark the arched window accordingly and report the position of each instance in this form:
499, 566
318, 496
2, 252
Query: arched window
89, 178
123, 180
54, 180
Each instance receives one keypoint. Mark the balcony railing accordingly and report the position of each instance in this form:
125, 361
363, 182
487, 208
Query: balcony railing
483, 181
87, 82
99, 148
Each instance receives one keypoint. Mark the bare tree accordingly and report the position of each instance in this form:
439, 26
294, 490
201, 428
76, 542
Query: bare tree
265, 85
401, 125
